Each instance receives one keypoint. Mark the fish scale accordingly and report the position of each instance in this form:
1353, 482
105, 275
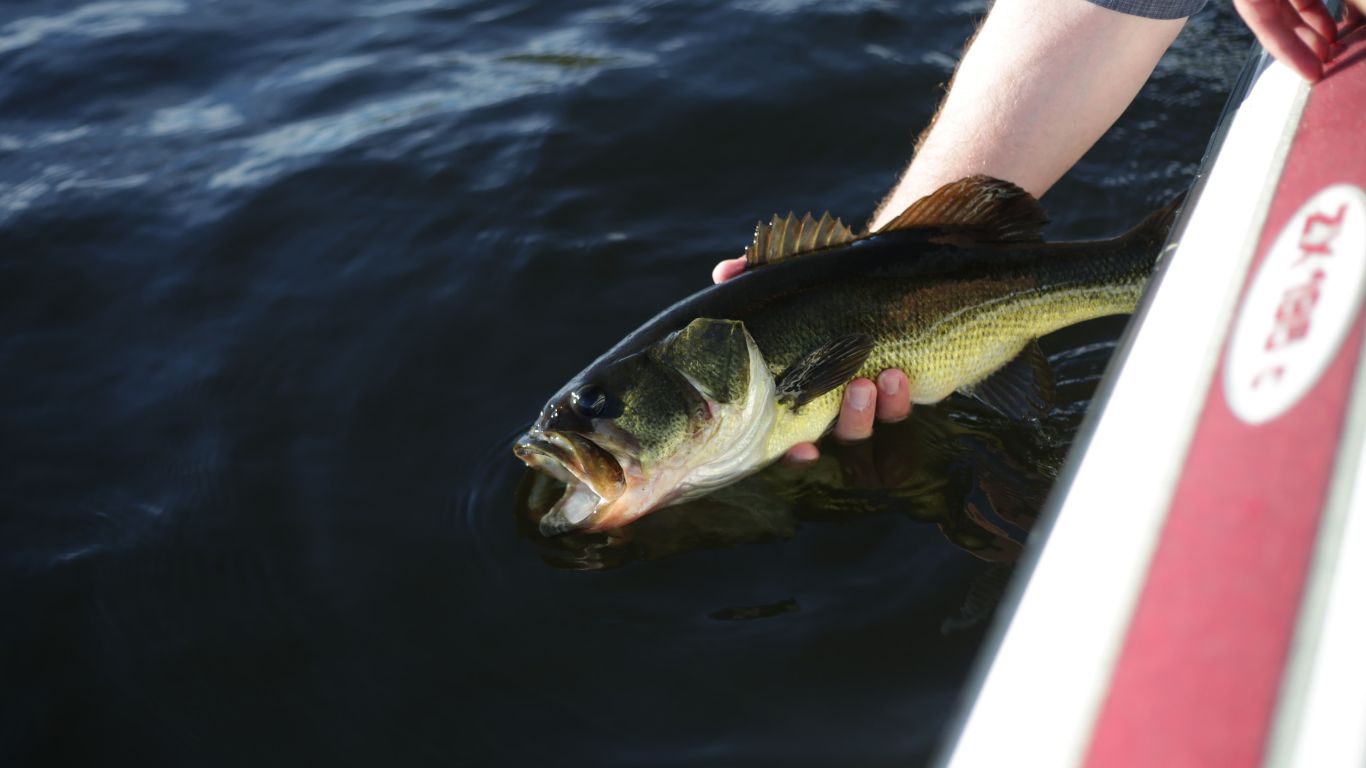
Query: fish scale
951, 334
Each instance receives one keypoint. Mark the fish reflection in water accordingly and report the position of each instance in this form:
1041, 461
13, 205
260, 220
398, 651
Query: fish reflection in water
980, 480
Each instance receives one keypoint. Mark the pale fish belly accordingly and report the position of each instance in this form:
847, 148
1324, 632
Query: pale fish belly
965, 347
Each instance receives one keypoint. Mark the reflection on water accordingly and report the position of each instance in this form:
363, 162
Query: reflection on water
980, 484
95, 20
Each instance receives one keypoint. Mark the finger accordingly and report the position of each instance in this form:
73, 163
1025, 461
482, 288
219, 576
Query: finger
856, 411
1290, 50
727, 269
1317, 44
802, 453
893, 395
1316, 15
1269, 25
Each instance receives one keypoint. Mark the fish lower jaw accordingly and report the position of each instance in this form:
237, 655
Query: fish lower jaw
635, 503
583, 510
575, 507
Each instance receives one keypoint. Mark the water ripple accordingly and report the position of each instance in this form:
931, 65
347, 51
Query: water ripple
485, 81
20, 196
327, 70
405, 6
202, 115
278, 278
267, 154
95, 20
56, 179
783, 7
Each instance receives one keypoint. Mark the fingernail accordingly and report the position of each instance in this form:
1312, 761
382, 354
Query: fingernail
889, 383
860, 398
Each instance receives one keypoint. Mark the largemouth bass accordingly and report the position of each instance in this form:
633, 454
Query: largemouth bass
954, 291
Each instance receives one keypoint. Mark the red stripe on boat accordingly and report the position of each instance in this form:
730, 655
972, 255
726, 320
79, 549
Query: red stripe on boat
1197, 679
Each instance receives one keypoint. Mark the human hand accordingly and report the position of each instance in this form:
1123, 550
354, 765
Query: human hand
887, 400
1299, 33
1353, 16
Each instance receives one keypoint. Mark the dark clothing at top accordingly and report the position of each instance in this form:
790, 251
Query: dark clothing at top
1154, 9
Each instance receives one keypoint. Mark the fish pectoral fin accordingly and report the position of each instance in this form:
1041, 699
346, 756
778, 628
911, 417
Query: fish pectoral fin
822, 369
782, 239
1022, 389
713, 355
976, 209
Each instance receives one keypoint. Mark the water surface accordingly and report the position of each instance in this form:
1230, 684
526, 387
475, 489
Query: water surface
279, 283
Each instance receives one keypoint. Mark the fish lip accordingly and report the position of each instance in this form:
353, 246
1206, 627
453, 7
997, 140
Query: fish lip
547, 456
584, 466
561, 453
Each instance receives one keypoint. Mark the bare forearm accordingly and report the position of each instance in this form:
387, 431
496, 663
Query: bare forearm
1037, 87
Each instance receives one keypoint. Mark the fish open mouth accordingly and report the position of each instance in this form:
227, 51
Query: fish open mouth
591, 474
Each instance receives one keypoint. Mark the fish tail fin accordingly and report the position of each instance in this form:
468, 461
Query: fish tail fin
1154, 229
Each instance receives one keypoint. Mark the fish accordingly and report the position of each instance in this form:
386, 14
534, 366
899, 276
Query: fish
955, 291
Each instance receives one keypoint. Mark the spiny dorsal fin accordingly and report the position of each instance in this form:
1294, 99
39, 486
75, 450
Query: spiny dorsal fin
784, 238
980, 208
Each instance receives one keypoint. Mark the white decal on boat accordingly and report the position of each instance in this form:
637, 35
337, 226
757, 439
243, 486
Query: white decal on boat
1300, 307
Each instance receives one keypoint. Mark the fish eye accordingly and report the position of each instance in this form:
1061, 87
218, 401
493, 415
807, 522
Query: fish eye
593, 402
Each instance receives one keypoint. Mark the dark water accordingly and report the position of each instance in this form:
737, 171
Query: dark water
279, 282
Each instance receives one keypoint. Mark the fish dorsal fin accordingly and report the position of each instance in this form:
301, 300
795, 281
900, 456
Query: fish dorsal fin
784, 238
978, 208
